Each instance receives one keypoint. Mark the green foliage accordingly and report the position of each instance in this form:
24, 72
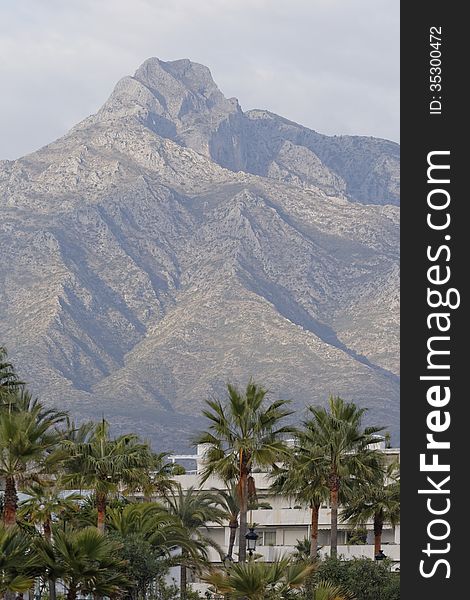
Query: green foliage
357, 536
46, 502
153, 524
177, 469
325, 590
347, 446
146, 567
302, 550
9, 381
244, 426
367, 579
16, 562
88, 561
346, 450
377, 499
243, 432
260, 580
103, 462
28, 446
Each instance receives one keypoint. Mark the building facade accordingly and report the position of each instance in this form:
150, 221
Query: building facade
285, 523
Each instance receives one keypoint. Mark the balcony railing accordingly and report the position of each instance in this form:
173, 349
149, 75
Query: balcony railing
270, 553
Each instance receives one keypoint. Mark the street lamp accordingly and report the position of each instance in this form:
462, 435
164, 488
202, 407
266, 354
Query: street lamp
251, 538
380, 555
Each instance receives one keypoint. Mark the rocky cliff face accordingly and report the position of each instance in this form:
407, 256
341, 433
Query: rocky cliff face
171, 242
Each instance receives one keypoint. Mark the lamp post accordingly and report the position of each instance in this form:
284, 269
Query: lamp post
380, 555
251, 538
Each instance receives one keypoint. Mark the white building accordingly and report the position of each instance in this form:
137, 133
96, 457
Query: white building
280, 527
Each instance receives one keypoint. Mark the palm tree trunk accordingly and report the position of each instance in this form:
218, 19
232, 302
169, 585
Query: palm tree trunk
10, 502
52, 590
314, 531
47, 529
72, 593
101, 501
183, 582
243, 516
378, 528
334, 494
233, 532
48, 536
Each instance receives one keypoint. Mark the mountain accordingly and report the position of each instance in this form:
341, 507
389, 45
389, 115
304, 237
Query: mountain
172, 242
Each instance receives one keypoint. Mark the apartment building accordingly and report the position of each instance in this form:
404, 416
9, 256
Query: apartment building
282, 525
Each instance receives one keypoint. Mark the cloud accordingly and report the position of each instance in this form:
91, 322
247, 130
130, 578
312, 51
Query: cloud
332, 65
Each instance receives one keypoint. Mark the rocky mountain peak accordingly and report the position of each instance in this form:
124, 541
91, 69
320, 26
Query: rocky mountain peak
138, 276
178, 100
179, 75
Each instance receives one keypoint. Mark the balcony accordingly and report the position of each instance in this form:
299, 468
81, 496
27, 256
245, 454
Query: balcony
270, 553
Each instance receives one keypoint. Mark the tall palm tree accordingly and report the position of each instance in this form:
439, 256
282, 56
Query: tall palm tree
16, 561
106, 464
347, 449
243, 432
194, 508
27, 443
377, 500
87, 561
303, 476
229, 502
258, 580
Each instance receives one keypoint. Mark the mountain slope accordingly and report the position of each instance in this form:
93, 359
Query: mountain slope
171, 242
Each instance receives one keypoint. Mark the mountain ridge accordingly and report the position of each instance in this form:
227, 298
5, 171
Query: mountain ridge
145, 268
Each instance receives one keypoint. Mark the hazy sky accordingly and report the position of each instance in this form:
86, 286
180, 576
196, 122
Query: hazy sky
332, 65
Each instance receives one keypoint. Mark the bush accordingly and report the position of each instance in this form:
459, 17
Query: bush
357, 537
366, 578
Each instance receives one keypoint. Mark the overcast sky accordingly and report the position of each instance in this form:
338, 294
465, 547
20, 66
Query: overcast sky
332, 65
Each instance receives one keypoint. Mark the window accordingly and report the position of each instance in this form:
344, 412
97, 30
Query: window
267, 537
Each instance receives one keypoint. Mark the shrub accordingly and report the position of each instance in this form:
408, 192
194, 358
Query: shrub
367, 579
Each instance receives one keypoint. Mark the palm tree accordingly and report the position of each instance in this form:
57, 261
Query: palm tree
104, 464
258, 580
347, 449
377, 500
46, 500
304, 477
9, 381
153, 523
148, 530
302, 550
86, 560
229, 502
194, 508
27, 443
242, 433
16, 562
72, 435
160, 482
